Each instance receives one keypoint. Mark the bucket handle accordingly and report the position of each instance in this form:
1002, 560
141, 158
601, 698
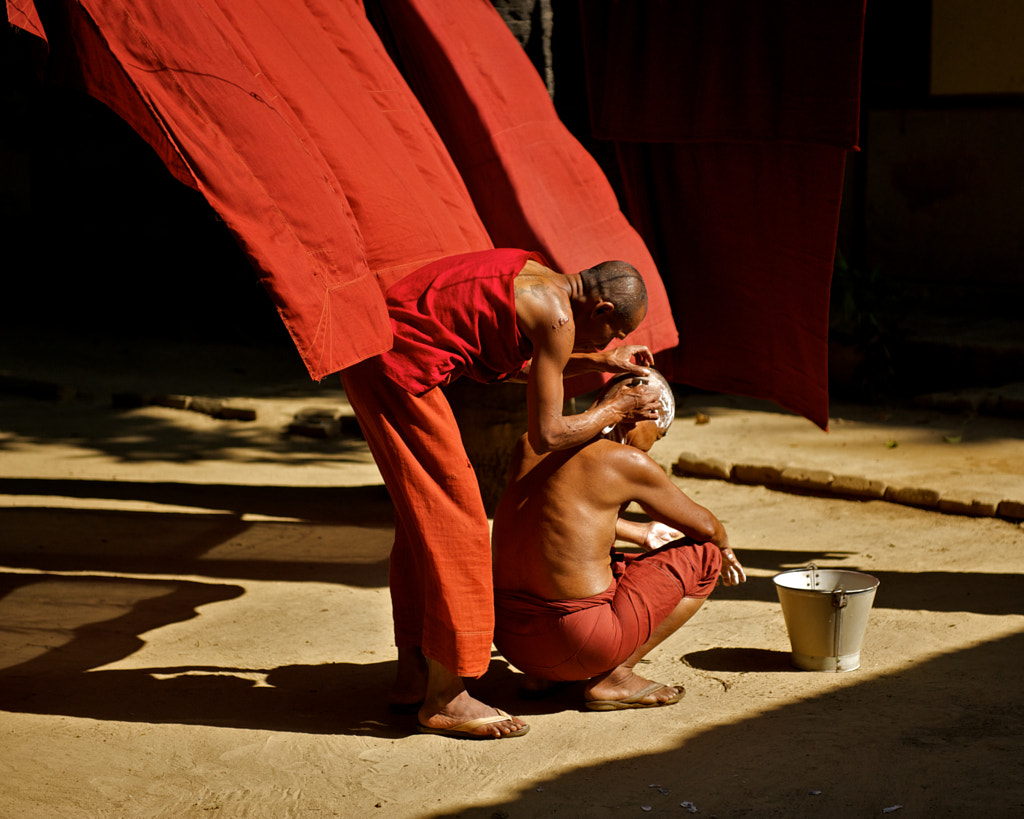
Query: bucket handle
838, 603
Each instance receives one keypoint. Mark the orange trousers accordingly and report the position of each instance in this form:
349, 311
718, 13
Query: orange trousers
442, 594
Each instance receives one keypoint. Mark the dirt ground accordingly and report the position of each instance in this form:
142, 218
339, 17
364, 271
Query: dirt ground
194, 619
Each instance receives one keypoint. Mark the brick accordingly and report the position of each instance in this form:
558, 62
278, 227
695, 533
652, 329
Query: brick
695, 466
316, 423
172, 401
913, 496
965, 502
854, 486
204, 405
817, 480
763, 474
1012, 509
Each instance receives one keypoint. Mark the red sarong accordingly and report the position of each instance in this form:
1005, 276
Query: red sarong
579, 639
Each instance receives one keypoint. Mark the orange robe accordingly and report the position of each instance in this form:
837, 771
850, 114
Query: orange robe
453, 317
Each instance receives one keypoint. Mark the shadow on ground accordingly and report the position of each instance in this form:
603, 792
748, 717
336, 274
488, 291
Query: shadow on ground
977, 592
350, 504
132, 438
58, 628
337, 534
966, 726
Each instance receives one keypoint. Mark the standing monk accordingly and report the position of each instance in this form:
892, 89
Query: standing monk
492, 315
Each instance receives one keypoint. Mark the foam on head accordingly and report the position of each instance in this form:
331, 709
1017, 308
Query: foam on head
655, 381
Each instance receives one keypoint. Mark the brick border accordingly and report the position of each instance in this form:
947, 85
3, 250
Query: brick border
849, 487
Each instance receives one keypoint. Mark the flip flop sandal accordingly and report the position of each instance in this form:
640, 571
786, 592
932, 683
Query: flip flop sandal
465, 730
634, 701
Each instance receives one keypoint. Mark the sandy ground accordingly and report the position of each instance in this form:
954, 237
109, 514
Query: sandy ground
194, 620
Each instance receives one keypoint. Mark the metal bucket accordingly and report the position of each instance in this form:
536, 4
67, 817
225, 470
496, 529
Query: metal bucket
826, 613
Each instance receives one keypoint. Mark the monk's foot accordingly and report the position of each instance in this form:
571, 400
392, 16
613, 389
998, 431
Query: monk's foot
466, 717
410, 688
630, 690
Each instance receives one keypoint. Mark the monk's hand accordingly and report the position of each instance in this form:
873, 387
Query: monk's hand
732, 572
658, 534
628, 358
637, 403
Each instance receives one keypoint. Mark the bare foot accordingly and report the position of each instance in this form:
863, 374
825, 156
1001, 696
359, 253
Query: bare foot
620, 684
449, 706
464, 709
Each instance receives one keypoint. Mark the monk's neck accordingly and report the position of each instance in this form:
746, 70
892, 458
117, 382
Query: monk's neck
575, 283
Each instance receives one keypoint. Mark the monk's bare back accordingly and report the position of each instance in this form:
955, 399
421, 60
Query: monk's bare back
555, 525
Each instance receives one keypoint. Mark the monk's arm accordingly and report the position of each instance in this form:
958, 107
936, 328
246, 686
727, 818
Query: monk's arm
631, 531
660, 498
544, 316
547, 428
627, 358
648, 535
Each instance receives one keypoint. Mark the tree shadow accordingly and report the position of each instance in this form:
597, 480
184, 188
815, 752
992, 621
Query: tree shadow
128, 437
332, 698
341, 535
57, 629
357, 504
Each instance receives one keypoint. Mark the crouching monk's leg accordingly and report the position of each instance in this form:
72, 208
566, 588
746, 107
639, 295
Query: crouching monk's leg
676, 579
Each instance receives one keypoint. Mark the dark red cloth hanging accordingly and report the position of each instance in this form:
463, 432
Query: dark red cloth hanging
731, 122
750, 246
729, 70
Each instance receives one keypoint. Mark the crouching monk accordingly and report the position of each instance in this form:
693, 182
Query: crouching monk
571, 607
490, 315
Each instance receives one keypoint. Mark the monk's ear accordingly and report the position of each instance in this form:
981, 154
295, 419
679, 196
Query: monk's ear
602, 309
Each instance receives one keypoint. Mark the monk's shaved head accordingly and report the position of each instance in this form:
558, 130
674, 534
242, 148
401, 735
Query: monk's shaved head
655, 382
620, 284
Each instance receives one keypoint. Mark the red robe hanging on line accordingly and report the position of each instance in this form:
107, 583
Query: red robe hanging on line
294, 123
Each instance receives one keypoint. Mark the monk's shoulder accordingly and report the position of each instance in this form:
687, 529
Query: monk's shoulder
623, 458
605, 454
541, 301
